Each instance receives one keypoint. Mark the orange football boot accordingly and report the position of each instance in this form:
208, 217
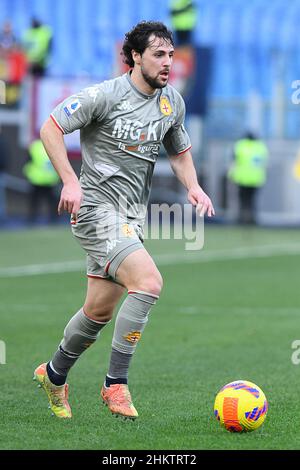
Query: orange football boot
118, 399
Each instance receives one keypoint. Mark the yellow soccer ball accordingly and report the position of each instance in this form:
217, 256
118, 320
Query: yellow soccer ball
241, 406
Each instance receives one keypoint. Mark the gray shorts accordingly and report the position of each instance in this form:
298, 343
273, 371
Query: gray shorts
107, 237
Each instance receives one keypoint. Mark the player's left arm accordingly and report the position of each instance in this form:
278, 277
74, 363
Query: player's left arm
184, 169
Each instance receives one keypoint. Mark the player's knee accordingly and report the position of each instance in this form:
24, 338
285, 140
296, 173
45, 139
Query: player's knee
152, 283
98, 312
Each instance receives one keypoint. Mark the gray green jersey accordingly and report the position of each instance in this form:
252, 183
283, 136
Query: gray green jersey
121, 131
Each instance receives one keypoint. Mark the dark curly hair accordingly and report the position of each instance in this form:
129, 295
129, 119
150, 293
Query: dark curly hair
138, 38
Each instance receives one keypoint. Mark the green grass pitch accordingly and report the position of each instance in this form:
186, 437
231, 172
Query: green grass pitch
231, 315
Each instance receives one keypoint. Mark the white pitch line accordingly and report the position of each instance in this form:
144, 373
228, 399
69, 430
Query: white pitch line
47, 268
204, 309
243, 252
261, 251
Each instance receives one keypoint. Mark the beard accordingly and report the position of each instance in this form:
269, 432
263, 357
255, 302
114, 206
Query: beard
153, 82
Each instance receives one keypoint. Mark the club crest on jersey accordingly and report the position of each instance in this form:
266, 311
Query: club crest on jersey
165, 106
128, 231
133, 336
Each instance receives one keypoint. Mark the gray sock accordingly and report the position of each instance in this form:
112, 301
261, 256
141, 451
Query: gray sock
130, 323
119, 364
79, 334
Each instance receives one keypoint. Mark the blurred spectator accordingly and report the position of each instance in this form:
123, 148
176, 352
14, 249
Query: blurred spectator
248, 172
183, 19
13, 65
43, 179
296, 167
17, 65
7, 37
3, 166
37, 43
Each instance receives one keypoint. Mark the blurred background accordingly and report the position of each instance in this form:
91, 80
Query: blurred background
228, 312
237, 65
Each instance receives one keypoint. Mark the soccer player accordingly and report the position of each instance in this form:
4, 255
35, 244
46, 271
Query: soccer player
122, 124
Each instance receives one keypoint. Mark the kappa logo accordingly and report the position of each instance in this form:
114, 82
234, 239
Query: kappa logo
93, 91
165, 106
111, 244
133, 336
125, 106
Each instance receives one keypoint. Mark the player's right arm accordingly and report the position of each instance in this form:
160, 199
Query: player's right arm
71, 194
75, 112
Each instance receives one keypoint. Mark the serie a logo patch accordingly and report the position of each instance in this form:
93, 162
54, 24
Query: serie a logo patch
70, 108
165, 106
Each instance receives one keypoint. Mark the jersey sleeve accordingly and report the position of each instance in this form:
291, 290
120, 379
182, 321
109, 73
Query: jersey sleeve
176, 140
79, 110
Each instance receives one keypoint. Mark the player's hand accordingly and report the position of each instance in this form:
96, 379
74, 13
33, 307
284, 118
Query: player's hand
201, 201
70, 198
